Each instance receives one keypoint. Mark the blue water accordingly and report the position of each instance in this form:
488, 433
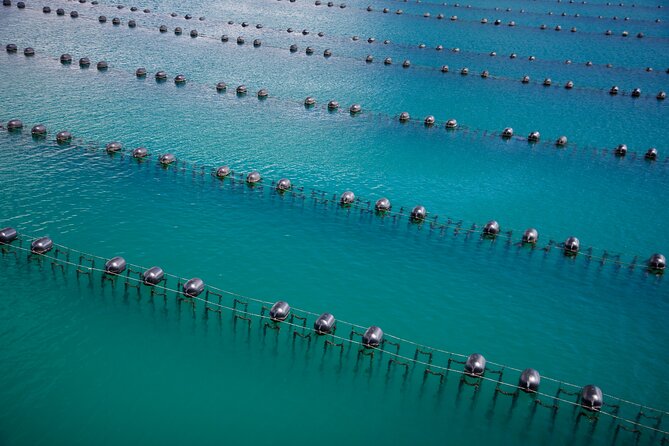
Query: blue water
90, 363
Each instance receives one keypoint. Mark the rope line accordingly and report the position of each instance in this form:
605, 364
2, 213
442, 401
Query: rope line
300, 326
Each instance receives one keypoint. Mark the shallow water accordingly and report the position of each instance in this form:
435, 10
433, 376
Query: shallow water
89, 362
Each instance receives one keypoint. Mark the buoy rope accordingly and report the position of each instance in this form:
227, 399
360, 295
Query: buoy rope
247, 313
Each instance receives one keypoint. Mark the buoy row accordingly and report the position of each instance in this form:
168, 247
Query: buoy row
310, 50
591, 397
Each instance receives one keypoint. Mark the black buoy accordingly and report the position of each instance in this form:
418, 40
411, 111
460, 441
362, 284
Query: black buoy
333, 105
241, 90
140, 152
222, 171
369, 58
74, 14
388, 61
161, 76
309, 50
621, 150
530, 236
571, 246
529, 380
591, 398
283, 185
293, 48
102, 19
325, 324
115, 265
404, 117
167, 159
225, 38
491, 229
46, 10
63, 137
279, 311
383, 205
327, 53
373, 337
178, 31
41, 245
533, 137
475, 365
116, 21
60, 11
444, 68
29, 52
661, 96
614, 90
347, 198
14, 125
11, 48
84, 62
429, 121
657, 263
355, 109
309, 101
418, 213
253, 177
221, 86
193, 33
257, 43
651, 154
8, 235
561, 141
569, 85
180, 79
38, 131
451, 124
193, 288
132, 23
102, 65
507, 132
114, 147
263, 93
141, 72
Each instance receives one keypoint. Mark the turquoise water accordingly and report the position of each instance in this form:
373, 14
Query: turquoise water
87, 362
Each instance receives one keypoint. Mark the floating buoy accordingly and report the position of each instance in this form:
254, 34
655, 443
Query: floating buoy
355, 109
636, 92
333, 105
404, 117
193, 33
178, 31
11, 48
114, 147
429, 121
132, 24
193, 288
102, 65
533, 137
387, 61
46, 10
166, 159
444, 68
561, 141
14, 125
406, 63
614, 90
38, 131
485, 74
241, 90
525, 80
347, 198
451, 124
279, 311
592, 398
222, 171
571, 246
661, 96
657, 263
569, 85
74, 14
161, 76
221, 86
140, 152
162, 28
262, 93
240, 40
418, 213
253, 177
257, 43
180, 79
225, 38
530, 236
153, 276
464, 71
372, 337
140, 72
621, 150
283, 185
309, 101
60, 11
309, 50
8, 235
116, 21
41, 245
529, 380
547, 82
651, 154
475, 365
115, 266
507, 132
29, 52
382, 205
327, 53
369, 58
102, 19
325, 324
63, 137
491, 229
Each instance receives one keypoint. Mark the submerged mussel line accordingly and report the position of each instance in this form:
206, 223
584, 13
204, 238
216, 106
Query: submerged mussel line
371, 344
569, 2
259, 27
406, 63
382, 208
620, 151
